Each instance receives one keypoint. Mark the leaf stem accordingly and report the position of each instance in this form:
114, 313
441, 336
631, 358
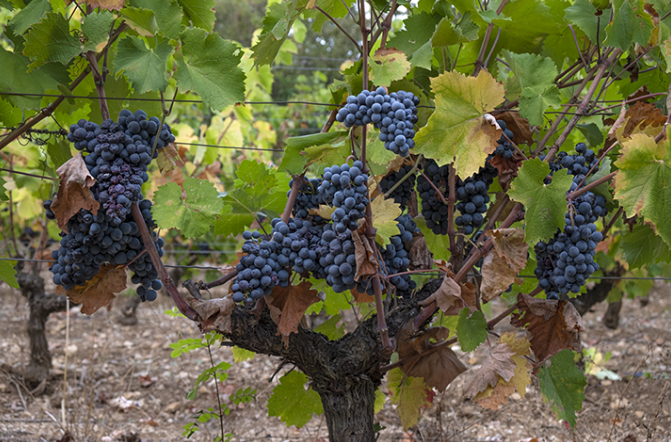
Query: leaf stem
358, 48
405, 177
438, 192
575, 194
479, 63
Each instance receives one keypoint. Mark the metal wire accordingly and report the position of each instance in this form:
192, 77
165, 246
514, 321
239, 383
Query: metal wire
216, 146
640, 278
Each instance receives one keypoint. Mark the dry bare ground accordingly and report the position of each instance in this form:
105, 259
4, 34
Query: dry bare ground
122, 384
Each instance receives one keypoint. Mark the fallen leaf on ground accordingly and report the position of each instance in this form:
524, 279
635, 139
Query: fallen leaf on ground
100, 290
552, 325
73, 191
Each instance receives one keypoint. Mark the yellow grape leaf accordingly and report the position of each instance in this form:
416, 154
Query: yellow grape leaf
385, 212
389, 65
643, 184
522, 376
460, 129
323, 211
411, 395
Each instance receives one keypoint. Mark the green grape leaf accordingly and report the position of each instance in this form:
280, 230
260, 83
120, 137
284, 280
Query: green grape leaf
385, 212
168, 15
592, 134
59, 152
14, 78
3, 191
292, 403
458, 130
629, 24
330, 328
387, 66
545, 204
584, 15
642, 247
8, 272
536, 100
194, 215
29, 15
241, 355
277, 23
415, 38
471, 331
145, 68
199, 12
448, 34
439, 245
294, 160
411, 395
51, 40
563, 385
96, 28
380, 399
9, 115
140, 20
334, 8
643, 184
210, 68
257, 190
332, 303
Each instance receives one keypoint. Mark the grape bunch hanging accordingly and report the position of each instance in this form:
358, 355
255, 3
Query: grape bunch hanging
394, 114
117, 155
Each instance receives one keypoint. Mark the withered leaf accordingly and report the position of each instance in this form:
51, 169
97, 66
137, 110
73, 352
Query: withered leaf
288, 305
168, 158
553, 325
420, 256
507, 168
498, 363
439, 366
501, 265
447, 297
366, 262
510, 244
99, 291
492, 398
106, 4
518, 126
216, 313
641, 117
362, 297
73, 191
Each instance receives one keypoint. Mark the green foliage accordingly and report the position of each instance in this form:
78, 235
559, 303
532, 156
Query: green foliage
144, 67
642, 246
210, 67
50, 40
545, 204
199, 12
562, 384
8, 273
630, 24
96, 28
29, 15
168, 15
330, 328
241, 355
410, 394
292, 403
471, 330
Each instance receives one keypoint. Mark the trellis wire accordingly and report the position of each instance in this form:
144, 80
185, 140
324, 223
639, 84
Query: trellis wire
641, 278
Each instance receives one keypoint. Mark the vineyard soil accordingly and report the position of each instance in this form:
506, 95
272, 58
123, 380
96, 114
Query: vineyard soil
136, 364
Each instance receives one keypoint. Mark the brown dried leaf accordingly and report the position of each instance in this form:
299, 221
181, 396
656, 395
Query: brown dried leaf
553, 325
501, 265
291, 303
166, 159
468, 294
420, 256
491, 398
210, 172
216, 313
498, 363
361, 297
106, 4
507, 168
366, 263
510, 245
518, 126
506, 210
99, 291
448, 297
439, 367
641, 117
74, 191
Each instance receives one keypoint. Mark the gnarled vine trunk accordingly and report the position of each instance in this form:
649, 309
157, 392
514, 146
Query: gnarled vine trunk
41, 306
345, 373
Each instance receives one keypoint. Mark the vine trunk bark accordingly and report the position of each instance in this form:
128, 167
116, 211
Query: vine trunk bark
349, 409
41, 306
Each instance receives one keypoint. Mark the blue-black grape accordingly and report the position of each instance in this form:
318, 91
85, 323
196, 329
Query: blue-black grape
435, 211
344, 188
404, 191
504, 148
472, 198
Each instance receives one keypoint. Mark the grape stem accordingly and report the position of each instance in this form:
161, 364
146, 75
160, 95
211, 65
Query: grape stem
405, 177
150, 247
612, 221
438, 192
597, 163
479, 63
99, 83
452, 199
221, 281
575, 194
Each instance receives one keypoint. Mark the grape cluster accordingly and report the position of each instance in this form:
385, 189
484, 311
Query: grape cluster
93, 240
344, 187
472, 198
119, 154
396, 258
567, 260
338, 259
394, 114
403, 192
308, 198
299, 242
504, 148
433, 208
259, 270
